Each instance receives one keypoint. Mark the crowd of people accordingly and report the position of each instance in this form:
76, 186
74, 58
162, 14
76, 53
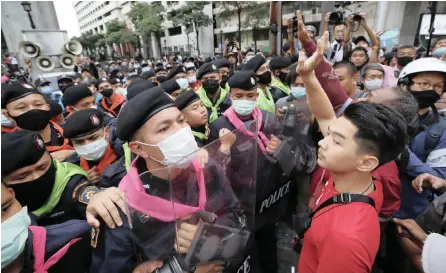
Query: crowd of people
137, 166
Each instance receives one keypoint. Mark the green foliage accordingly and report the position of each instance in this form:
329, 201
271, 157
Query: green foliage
147, 18
257, 17
117, 32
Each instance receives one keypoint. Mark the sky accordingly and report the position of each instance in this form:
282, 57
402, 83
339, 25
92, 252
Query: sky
66, 15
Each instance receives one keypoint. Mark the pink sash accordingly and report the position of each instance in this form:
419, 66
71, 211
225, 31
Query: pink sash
39, 243
157, 207
262, 140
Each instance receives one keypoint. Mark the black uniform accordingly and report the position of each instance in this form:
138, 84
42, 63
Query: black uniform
76, 259
118, 250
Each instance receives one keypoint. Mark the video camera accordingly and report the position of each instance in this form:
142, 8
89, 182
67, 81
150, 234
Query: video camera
341, 12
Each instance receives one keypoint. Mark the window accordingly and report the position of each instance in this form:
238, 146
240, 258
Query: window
95, 29
218, 22
107, 2
175, 48
181, 48
107, 14
189, 28
261, 34
169, 49
174, 31
291, 7
172, 14
101, 27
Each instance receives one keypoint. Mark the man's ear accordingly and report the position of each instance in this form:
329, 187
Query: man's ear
70, 109
368, 163
137, 149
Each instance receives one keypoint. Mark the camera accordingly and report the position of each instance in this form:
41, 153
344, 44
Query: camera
294, 24
341, 12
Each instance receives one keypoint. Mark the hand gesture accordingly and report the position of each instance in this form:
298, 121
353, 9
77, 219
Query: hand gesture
185, 236
428, 181
363, 20
148, 267
327, 17
104, 204
410, 229
273, 144
350, 19
236, 44
227, 138
304, 37
93, 175
306, 66
290, 25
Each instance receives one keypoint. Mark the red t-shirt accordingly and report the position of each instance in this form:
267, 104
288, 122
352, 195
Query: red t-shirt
342, 238
387, 174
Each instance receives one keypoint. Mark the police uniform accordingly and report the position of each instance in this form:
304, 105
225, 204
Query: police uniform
105, 106
85, 122
120, 249
268, 174
222, 103
19, 90
281, 89
65, 184
75, 233
178, 69
201, 133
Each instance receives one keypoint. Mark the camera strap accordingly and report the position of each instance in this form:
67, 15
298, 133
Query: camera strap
345, 198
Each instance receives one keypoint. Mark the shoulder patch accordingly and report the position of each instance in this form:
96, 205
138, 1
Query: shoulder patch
76, 189
94, 237
86, 195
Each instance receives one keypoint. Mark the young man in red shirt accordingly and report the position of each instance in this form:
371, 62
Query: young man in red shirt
344, 236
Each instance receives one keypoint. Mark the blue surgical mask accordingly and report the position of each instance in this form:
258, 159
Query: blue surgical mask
439, 52
192, 79
243, 107
298, 92
373, 84
99, 97
183, 83
47, 90
6, 122
14, 236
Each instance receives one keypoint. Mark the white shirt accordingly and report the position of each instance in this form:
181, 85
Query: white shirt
335, 52
13, 60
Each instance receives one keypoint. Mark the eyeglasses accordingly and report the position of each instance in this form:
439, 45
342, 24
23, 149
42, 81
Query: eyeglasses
438, 87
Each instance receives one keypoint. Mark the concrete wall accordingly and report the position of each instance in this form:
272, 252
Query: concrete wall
14, 19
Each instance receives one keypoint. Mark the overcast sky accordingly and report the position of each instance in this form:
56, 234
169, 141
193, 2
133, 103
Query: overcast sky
66, 15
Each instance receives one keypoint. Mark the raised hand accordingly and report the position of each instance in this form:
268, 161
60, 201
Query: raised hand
307, 66
304, 36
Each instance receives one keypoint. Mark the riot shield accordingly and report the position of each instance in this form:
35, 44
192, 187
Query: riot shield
192, 215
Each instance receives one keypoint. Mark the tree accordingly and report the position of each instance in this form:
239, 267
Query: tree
257, 18
147, 19
231, 8
118, 33
192, 14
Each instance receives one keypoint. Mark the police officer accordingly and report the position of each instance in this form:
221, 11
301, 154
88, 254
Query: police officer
138, 87
78, 97
177, 72
112, 102
191, 70
27, 107
244, 98
56, 111
149, 120
26, 246
215, 98
280, 67
259, 66
96, 146
172, 88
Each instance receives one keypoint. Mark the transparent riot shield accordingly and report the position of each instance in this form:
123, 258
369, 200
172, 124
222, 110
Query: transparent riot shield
213, 200
192, 215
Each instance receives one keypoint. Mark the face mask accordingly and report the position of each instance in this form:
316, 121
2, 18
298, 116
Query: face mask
33, 120
243, 107
439, 52
99, 97
192, 79
178, 149
47, 90
14, 236
144, 69
224, 81
6, 122
41, 189
211, 86
249, 58
298, 92
282, 76
403, 61
161, 79
122, 91
92, 151
265, 78
107, 92
425, 98
183, 83
373, 84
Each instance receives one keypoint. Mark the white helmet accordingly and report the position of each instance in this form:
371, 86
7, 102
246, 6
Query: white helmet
423, 65
311, 28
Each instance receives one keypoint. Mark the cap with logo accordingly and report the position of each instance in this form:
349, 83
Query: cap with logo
206, 69
17, 91
82, 123
244, 80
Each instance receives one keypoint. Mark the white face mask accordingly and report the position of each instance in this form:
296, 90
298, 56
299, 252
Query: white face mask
178, 149
243, 107
92, 151
183, 83
14, 236
6, 122
193, 79
373, 84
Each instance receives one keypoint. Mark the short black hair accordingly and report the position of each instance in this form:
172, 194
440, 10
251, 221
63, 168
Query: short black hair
339, 24
369, 67
291, 77
351, 68
286, 47
382, 131
359, 48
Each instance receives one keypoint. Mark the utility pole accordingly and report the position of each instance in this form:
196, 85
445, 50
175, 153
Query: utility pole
433, 9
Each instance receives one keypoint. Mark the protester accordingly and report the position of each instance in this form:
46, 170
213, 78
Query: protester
172, 88
372, 77
191, 70
44, 86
